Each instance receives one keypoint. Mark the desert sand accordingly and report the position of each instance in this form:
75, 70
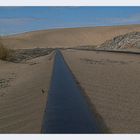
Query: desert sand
23, 94
111, 83
65, 38
110, 80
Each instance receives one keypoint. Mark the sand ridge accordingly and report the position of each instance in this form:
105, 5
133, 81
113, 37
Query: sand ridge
111, 82
69, 37
23, 98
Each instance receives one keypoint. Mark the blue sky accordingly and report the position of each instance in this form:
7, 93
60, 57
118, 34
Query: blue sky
23, 19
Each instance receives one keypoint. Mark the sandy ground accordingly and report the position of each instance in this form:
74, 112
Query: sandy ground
69, 37
23, 94
112, 83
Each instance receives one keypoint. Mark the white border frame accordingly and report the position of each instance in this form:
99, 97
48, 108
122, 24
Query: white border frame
70, 3
70, 137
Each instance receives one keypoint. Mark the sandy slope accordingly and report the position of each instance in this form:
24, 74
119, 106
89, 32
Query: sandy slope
67, 37
112, 82
23, 94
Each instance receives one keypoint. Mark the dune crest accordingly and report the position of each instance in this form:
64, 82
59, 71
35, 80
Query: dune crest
69, 37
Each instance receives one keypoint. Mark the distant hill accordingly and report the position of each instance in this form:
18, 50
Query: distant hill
69, 37
126, 41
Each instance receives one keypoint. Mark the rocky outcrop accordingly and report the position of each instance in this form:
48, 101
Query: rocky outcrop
20, 55
126, 41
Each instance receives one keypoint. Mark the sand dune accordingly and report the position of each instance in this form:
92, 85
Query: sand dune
111, 81
23, 94
67, 37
